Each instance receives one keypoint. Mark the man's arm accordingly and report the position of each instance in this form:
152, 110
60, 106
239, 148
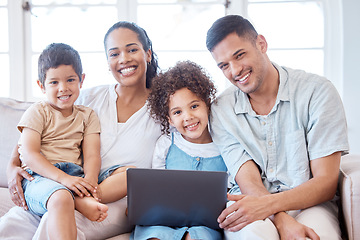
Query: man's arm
258, 203
320, 188
325, 171
15, 174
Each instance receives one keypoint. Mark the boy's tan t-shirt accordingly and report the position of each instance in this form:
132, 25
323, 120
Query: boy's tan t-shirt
61, 137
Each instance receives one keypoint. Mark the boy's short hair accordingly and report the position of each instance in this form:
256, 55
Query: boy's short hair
184, 74
227, 25
57, 54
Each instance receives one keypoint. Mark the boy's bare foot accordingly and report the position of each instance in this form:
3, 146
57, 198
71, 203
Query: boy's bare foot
91, 209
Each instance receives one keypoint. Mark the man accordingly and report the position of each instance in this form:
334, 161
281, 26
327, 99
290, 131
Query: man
281, 133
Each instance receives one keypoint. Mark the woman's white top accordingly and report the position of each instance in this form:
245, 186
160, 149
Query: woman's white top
129, 143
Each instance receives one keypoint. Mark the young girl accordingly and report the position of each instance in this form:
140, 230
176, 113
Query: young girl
180, 100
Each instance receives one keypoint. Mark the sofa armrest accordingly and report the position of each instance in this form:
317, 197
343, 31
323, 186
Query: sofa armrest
10, 114
349, 185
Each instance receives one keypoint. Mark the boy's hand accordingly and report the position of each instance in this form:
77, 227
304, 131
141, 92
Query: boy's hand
79, 185
94, 182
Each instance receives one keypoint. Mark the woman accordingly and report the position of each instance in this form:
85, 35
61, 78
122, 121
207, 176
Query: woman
128, 133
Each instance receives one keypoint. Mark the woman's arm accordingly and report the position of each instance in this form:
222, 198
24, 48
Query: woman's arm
15, 174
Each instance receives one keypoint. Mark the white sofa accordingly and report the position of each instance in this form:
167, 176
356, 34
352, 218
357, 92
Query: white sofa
10, 113
349, 181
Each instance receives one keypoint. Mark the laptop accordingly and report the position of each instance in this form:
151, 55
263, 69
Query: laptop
175, 198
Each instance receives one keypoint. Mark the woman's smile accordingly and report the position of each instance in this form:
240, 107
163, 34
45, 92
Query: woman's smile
127, 71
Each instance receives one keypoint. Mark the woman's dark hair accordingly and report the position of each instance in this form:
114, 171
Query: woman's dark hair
153, 67
184, 74
57, 54
229, 24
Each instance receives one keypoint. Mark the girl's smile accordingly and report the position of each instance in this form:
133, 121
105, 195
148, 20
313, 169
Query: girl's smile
189, 115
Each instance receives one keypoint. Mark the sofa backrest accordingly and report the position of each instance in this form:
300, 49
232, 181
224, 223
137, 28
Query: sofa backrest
10, 113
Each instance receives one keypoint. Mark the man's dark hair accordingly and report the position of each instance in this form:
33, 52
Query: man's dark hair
224, 26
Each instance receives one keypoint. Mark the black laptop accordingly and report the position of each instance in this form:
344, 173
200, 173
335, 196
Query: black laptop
175, 198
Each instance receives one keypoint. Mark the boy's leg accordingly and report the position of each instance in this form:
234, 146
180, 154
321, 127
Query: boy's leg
109, 193
88, 206
61, 215
116, 223
322, 219
45, 195
91, 208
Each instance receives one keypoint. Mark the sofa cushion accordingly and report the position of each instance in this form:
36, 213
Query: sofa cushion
5, 200
350, 194
10, 113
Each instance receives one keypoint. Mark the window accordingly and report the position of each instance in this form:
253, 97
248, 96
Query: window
83, 28
4, 51
183, 35
300, 33
303, 34
289, 41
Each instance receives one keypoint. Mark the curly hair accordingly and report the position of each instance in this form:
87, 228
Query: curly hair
184, 74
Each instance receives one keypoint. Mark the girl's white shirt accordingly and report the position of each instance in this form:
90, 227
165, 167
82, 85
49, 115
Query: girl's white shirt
193, 149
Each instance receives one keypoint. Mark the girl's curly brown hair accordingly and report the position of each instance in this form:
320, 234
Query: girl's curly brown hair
184, 74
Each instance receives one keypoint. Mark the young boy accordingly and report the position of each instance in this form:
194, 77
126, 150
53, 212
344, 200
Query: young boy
60, 146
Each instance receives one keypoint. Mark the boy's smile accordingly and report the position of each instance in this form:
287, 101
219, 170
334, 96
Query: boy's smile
62, 87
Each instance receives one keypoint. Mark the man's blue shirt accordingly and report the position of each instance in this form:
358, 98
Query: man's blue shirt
307, 122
